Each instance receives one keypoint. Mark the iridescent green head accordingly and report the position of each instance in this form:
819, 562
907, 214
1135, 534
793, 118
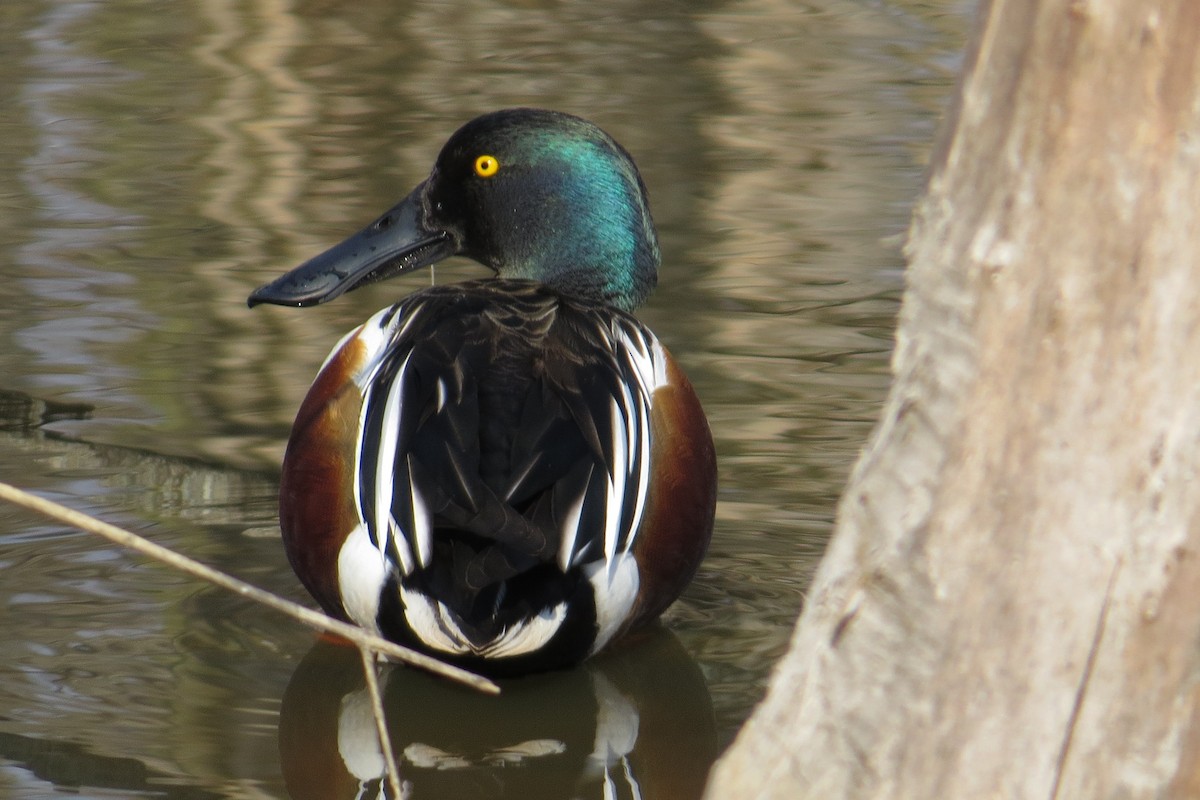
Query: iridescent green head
531, 194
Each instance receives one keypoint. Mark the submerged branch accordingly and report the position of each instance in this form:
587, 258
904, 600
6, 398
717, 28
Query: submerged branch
313, 619
381, 731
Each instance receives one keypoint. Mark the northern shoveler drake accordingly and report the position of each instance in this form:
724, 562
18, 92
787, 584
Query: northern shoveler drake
506, 473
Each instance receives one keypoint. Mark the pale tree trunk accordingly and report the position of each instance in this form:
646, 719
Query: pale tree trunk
1010, 606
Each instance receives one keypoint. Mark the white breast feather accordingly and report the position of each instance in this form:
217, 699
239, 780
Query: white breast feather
361, 572
615, 589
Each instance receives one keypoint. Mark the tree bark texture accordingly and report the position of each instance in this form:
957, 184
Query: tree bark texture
1010, 606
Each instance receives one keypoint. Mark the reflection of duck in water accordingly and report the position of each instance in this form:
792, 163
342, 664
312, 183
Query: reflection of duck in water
636, 722
505, 473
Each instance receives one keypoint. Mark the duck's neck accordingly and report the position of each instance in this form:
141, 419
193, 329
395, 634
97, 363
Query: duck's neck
621, 276
588, 233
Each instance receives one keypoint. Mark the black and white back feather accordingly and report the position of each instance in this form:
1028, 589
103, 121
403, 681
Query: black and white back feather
505, 437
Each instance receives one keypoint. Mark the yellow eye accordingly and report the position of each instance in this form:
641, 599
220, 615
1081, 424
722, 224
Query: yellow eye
486, 166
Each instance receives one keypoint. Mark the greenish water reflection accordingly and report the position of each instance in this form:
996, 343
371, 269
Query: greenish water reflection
158, 163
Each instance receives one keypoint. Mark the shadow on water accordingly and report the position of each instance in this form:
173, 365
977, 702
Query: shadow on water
124, 479
22, 414
72, 767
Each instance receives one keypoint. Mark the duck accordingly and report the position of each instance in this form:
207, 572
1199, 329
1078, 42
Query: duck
508, 473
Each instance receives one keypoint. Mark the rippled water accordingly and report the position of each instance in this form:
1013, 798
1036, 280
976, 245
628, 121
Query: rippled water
157, 162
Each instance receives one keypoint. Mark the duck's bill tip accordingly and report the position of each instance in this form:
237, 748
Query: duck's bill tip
396, 242
287, 291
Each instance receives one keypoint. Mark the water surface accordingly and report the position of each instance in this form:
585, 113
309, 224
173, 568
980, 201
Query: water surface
158, 163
